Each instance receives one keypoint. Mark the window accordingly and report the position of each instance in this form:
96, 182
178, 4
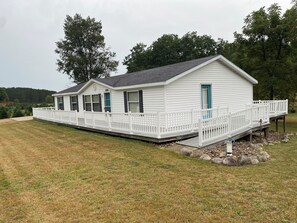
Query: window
92, 103
60, 103
87, 102
73, 103
133, 101
96, 103
107, 107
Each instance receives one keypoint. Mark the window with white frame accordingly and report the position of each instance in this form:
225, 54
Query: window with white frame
60, 103
73, 103
96, 103
87, 103
92, 103
133, 101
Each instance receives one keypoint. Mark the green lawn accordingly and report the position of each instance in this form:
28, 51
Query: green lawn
51, 173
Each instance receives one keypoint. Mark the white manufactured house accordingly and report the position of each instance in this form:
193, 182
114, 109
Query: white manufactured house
176, 100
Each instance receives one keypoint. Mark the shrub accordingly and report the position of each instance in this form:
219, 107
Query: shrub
3, 112
18, 113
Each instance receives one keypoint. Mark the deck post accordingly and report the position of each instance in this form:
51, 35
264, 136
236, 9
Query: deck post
158, 126
76, 116
229, 125
93, 120
200, 132
108, 121
251, 116
276, 124
192, 120
266, 132
130, 122
287, 106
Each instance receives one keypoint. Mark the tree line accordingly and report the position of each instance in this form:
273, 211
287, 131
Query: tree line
266, 48
18, 102
26, 95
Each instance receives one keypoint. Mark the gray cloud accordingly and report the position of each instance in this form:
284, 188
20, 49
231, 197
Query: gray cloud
29, 30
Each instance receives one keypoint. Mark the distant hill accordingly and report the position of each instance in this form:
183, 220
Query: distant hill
27, 95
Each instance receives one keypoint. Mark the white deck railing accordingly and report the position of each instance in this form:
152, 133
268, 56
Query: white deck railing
158, 125
211, 124
225, 126
276, 107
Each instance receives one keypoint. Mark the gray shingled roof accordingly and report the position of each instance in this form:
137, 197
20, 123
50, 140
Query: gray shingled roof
155, 75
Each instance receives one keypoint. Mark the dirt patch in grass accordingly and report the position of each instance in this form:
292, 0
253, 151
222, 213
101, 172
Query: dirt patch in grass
50, 173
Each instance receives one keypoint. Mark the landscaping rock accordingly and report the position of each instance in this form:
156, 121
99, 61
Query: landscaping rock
230, 161
254, 146
270, 144
222, 154
186, 151
263, 156
205, 157
254, 161
197, 153
217, 160
244, 160
285, 140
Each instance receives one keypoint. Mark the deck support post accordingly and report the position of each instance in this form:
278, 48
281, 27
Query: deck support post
229, 148
266, 132
276, 124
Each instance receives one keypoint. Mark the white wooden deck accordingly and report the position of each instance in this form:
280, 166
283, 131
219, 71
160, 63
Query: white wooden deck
212, 125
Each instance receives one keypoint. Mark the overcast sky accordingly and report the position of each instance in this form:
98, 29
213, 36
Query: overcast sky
30, 28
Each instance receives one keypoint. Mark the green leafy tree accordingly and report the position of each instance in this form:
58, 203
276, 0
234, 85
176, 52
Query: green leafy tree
138, 59
193, 46
169, 49
49, 99
266, 50
82, 53
3, 95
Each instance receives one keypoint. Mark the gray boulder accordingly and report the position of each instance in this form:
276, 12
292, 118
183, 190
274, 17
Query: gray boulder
263, 156
217, 160
244, 160
254, 146
254, 161
197, 153
230, 161
186, 151
205, 157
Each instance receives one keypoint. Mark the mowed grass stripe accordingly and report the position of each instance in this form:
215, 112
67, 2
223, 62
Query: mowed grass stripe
60, 174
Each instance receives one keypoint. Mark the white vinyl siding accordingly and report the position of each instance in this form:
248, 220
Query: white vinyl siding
228, 89
153, 99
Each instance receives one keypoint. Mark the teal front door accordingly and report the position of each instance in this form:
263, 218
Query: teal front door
206, 102
107, 107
